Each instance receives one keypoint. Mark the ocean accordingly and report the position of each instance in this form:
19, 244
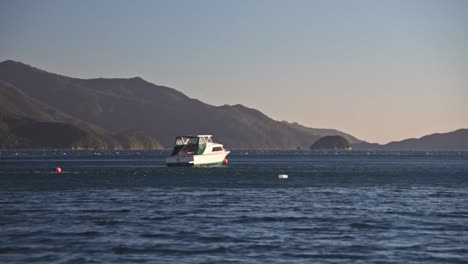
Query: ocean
335, 207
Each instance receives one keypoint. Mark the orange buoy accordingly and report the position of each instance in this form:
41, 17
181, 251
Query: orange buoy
58, 170
225, 161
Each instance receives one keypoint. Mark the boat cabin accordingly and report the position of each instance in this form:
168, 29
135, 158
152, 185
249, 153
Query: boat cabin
192, 145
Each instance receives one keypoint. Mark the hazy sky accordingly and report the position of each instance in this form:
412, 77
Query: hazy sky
380, 70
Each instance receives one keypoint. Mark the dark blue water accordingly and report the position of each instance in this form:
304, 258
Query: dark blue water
128, 207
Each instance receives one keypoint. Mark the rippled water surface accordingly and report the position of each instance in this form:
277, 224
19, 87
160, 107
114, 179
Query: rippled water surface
335, 207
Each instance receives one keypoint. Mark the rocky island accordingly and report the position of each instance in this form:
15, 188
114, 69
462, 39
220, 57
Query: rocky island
331, 142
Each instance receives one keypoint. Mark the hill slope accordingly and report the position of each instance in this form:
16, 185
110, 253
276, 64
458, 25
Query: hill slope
455, 140
21, 132
27, 123
117, 105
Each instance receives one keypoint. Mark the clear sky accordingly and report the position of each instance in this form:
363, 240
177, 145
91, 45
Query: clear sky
380, 70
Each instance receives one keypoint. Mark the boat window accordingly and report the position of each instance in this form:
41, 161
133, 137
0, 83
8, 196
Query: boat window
218, 149
202, 140
180, 141
193, 140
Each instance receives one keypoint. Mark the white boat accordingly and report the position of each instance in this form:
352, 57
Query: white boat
197, 150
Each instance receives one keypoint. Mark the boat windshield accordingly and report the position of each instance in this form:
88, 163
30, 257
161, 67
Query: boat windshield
181, 141
188, 146
192, 140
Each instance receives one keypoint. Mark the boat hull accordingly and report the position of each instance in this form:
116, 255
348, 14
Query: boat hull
211, 159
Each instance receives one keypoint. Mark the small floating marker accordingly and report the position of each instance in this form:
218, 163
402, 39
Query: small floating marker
282, 176
58, 170
225, 161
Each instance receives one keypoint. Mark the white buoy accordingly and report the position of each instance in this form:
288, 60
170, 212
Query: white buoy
282, 176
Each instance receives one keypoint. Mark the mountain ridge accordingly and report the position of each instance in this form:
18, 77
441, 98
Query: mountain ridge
118, 104
110, 106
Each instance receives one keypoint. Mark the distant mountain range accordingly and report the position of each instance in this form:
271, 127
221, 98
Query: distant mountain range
134, 113
115, 105
455, 140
